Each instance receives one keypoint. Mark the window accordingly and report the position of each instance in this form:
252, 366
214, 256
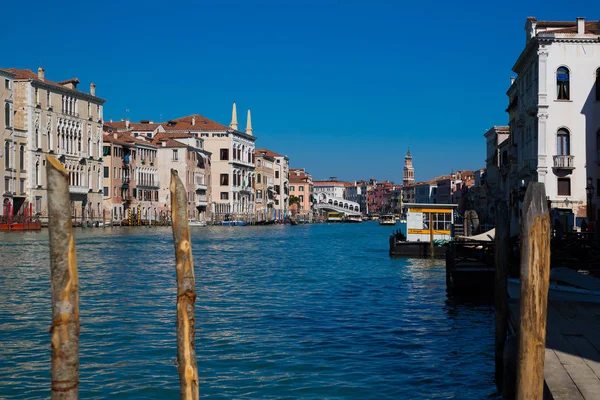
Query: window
22, 186
301, 198
38, 205
598, 84
106, 172
224, 195
6, 84
276, 174
562, 83
7, 154
564, 186
37, 174
224, 153
562, 143
301, 188
22, 158
224, 180
7, 116
175, 155
258, 178
48, 99
6, 185
114, 191
105, 191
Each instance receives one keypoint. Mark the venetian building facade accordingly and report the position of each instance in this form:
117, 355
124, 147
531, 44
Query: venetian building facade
264, 186
301, 186
12, 151
554, 114
231, 163
59, 120
281, 182
184, 153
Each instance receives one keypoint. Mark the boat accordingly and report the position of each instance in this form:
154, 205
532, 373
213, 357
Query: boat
354, 219
193, 222
565, 285
334, 217
387, 219
234, 223
293, 222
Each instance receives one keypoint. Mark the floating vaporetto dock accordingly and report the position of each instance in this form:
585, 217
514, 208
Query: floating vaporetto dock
428, 229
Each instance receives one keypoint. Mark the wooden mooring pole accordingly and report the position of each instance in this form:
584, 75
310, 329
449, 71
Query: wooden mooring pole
431, 249
64, 286
535, 275
186, 293
502, 249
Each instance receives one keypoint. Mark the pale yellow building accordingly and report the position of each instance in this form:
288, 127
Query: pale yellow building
57, 119
13, 195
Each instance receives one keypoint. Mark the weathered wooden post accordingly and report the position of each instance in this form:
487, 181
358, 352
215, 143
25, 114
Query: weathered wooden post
64, 286
535, 275
431, 248
502, 249
186, 292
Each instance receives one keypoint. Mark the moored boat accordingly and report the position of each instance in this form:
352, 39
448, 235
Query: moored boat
193, 222
334, 217
387, 219
354, 219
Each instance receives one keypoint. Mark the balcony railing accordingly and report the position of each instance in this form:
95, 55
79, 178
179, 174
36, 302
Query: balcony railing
78, 189
564, 162
201, 186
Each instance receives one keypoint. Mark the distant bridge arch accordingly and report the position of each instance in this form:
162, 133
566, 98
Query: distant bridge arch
330, 203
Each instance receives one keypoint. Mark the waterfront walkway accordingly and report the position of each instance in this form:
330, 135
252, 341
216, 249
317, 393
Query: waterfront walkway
572, 365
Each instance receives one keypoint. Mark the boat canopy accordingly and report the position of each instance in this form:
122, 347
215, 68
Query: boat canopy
482, 237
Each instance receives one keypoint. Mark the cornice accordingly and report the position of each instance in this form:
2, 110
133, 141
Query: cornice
58, 89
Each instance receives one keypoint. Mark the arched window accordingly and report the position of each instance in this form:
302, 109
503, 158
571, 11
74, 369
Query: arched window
562, 84
7, 154
598, 84
37, 173
22, 158
258, 178
563, 143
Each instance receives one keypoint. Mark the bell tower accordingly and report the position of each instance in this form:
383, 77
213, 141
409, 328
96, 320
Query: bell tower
409, 171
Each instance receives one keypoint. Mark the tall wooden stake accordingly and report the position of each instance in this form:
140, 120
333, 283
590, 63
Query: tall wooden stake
186, 293
535, 276
500, 290
64, 286
431, 249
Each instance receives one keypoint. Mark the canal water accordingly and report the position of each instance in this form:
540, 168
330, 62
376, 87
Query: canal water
302, 312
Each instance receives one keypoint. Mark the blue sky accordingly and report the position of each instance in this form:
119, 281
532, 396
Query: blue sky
342, 87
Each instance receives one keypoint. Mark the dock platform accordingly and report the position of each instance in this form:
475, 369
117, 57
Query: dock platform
572, 363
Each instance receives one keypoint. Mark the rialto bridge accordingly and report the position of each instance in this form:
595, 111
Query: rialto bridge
329, 203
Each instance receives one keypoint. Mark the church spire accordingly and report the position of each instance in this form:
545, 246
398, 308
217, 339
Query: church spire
234, 124
249, 124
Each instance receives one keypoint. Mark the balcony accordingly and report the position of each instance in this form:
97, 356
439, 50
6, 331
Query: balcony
201, 186
78, 189
246, 189
201, 201
564, 163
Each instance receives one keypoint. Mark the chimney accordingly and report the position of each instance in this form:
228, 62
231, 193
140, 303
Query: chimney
164, 144
580, 25
93, 89
512, 80
115, 135
193, 120
41, 74
127, 123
